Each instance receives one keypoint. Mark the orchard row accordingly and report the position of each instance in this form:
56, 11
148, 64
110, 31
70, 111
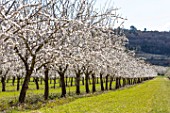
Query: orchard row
59, 38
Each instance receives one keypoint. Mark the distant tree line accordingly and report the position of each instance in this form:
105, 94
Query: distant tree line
152, 42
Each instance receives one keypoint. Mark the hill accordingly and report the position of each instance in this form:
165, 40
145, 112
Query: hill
154, 46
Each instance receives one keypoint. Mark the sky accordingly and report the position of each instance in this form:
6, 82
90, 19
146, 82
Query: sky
150, 14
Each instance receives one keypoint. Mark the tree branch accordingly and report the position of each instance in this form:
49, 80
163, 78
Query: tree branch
42, 65
22, 58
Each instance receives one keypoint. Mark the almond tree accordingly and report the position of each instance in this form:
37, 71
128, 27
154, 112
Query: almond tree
6, 60
63, 35
20, 23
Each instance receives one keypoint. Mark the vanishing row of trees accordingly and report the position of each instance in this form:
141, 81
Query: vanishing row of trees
55, 38
167, 73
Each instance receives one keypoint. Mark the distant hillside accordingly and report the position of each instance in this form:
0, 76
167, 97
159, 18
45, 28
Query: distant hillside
152, 45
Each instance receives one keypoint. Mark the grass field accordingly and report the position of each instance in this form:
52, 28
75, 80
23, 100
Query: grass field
11, 90
34, 95
149, 97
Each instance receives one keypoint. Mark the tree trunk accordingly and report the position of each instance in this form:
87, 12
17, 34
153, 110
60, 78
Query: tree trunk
93, 83
18, 83
36, 79
139, 80
46, 91
25, 87
111, 80
117, 83
128, 81
101, 82
134, 81
131, 81
78, 83
87, 82
3, 84
13, 81
106, 87
63, 86
120, 82
71, 84
124, 82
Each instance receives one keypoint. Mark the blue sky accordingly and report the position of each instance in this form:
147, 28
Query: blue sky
150, 14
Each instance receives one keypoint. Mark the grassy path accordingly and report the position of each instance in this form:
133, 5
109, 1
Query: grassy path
150, 97
161, 103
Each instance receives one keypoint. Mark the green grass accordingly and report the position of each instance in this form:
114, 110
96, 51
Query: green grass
11, 90
34, 95
150, 97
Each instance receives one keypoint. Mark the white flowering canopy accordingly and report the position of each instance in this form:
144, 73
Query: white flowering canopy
53, 33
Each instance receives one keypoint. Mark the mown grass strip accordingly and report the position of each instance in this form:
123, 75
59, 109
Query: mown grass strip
151, 97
